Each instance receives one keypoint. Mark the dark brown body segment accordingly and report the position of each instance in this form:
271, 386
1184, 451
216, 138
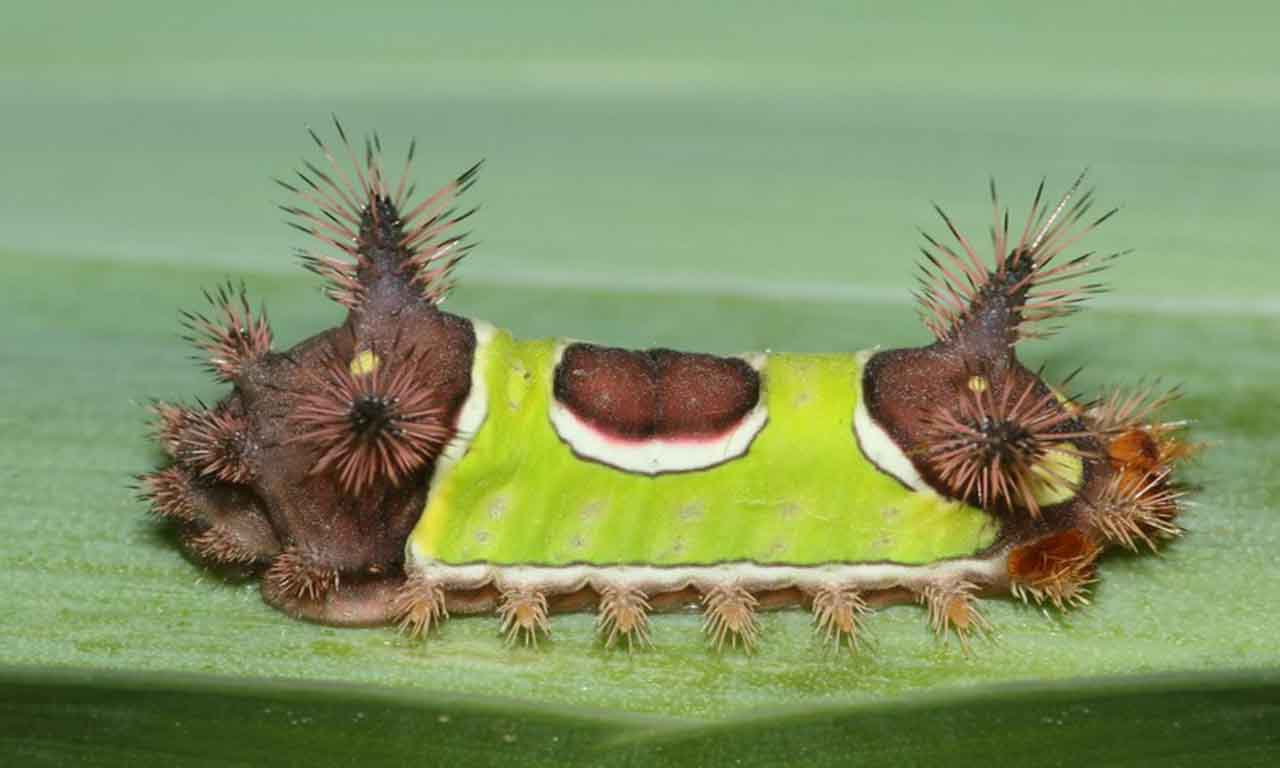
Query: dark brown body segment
655, 393
249, 484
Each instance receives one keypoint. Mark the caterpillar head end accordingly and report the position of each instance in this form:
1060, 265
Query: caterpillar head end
313, 468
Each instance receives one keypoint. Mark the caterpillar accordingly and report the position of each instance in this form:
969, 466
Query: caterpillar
411, 464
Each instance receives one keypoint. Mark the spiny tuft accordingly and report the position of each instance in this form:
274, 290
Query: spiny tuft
221, 545
522, 612
214, 443
952, 609
1138, 510
298, 577
1027, 278
233, 337
624, 612
994, 442
838, 614
356, 209
169, 493
729, 616
1058, 568
419, 605
169, 422
370, 426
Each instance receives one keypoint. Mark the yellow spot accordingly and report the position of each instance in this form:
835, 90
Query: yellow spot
1056, 477
977, 384
364, 363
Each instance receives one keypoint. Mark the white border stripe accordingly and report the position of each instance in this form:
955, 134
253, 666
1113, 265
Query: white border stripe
752, 576
882, 451
476, 407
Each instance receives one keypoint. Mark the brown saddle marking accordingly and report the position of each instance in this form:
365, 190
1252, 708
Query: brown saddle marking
655, 393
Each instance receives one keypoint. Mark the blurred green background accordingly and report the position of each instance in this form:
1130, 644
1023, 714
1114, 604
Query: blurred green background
719, 176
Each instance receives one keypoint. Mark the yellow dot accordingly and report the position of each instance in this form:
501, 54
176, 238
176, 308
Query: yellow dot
364, 363
1057, 476
977, 384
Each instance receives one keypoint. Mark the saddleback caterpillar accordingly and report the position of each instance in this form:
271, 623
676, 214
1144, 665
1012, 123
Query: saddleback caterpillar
412, 464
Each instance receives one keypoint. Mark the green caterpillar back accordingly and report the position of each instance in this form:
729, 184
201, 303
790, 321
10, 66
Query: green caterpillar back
412, 464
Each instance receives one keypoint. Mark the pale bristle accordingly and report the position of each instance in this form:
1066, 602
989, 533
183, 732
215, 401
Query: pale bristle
522, 613
1121, 410
624, 613
419, 605
837, 615
729, 616
953, 610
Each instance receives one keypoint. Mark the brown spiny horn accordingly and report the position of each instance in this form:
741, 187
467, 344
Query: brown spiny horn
979, 308
386, 242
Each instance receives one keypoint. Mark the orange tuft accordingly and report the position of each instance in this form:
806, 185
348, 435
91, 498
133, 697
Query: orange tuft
214, 444
1057, 568
952, 609
838, 613
1135, 449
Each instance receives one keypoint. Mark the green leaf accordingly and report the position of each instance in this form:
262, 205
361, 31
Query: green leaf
114, 719
737, 180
